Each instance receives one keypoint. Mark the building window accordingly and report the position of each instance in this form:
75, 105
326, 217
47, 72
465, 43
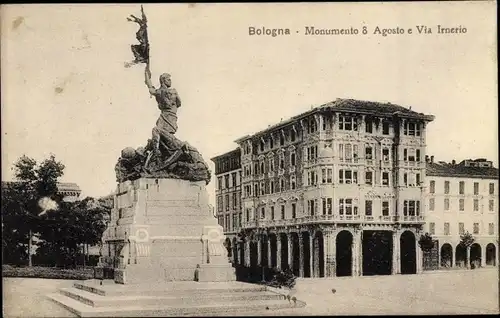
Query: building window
492, 188
219, 203
417, 154
262, 144
446, 204
432, 228
369, 177
292, 135
411, 208
292, 159
348, 176
262, 168
235, 202
263, 213
476, 205
369, 153
228, 225
323, 201
312, 153
385, 127
227, 202
446, 228
385, 208
282, 212
311, 207
476, 188
235, 221
240, 215
491, 228
292, 182
263, 188
272, 187
312, 178
282, 185
461, 187
385, 154
294, 210
248, 215
271, 143
368, 125
282, 139
346, 207
329, 207
368, 207
461, 204
311, 126
326, 174
272, 213
447, 187
432, 187
431, 204
347, 123
491, 205
461, 228
475, 228
385, 179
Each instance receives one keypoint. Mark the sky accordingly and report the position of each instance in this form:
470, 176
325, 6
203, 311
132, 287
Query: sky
65, 90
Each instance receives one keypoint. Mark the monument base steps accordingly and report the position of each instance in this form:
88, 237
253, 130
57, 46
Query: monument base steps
90, 299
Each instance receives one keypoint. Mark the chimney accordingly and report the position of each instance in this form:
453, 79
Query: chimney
453, 162
432, 159
426, 158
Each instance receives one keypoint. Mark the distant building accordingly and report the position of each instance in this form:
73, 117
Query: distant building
69, 191
463, 197
228, 194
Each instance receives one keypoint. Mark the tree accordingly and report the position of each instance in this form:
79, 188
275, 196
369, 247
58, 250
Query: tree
466, 240
21, 211
427, 243
70, 230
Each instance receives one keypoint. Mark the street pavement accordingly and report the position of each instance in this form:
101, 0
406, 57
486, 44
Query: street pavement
439, 293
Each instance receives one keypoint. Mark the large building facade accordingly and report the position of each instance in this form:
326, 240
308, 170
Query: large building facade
228, 194
463, 197
320, 189
347, 189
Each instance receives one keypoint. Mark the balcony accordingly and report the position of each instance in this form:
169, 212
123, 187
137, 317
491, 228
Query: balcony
329, 218
410, 219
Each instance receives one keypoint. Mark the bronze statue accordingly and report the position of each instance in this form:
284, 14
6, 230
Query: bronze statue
164, 156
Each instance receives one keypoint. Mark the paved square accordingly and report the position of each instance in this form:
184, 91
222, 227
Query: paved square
457, 292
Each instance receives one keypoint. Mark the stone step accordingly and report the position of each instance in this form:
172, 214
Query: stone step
178, 289
215, 308
96, 300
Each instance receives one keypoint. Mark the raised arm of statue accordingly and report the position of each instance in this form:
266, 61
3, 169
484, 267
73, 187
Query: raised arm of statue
147, 75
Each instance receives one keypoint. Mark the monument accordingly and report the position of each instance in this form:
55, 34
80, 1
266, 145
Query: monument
161, 225
163, 246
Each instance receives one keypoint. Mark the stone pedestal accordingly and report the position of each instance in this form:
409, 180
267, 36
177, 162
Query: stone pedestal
164, 230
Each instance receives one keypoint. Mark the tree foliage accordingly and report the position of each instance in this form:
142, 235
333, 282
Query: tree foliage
62, 232
426, 242
466, 239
